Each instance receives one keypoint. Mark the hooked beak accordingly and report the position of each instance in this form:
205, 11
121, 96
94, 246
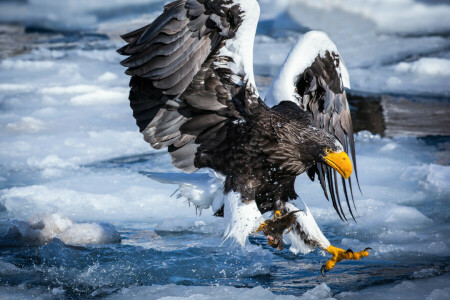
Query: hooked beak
340, 162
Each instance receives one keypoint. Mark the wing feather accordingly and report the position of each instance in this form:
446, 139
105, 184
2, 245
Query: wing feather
188, 70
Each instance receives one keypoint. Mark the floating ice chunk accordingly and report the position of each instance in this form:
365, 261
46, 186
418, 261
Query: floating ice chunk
40, 230
50, 226
82, 234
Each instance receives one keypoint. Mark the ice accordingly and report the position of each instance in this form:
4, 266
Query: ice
429, 289
392, 16
69, 14
40, 230
166, 292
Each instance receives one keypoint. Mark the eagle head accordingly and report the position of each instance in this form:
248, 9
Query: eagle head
327, 150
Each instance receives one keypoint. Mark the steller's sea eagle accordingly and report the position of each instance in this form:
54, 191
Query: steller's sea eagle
193, 92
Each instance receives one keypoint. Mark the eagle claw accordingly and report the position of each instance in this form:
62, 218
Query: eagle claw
340, 254
274, 229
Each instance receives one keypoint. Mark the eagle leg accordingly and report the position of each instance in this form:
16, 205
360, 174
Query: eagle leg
274, 228
341, 254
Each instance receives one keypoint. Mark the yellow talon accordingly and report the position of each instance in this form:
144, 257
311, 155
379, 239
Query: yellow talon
274, 228
276, 215
340, 254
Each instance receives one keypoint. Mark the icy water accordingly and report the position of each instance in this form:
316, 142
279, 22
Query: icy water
79, 219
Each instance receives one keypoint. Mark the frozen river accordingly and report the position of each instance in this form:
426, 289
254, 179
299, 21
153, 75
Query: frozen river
79, 218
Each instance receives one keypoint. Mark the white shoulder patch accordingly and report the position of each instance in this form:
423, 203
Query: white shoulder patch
299, 59
310, 228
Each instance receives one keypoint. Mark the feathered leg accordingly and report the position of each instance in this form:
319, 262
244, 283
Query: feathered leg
304, 235
241, 218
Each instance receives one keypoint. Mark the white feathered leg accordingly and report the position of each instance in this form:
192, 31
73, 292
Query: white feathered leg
241, 219
305, 235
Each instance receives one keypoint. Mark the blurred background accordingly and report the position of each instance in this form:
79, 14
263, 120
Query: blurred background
79, 218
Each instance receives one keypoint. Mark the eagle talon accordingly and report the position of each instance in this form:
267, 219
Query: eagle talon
323, 270
341, 254
274, 228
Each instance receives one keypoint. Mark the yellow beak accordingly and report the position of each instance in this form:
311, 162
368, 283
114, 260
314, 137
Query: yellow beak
341, 163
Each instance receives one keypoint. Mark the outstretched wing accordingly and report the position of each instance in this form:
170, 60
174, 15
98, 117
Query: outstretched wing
314, 76
192, 74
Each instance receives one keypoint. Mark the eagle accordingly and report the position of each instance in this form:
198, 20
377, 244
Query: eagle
193, 92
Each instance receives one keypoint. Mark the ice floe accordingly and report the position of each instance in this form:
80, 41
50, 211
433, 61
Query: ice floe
40, 230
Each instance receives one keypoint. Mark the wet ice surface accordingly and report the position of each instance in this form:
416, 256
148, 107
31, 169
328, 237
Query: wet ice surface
79, 218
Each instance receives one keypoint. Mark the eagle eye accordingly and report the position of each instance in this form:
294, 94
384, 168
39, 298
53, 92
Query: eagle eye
328, 150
